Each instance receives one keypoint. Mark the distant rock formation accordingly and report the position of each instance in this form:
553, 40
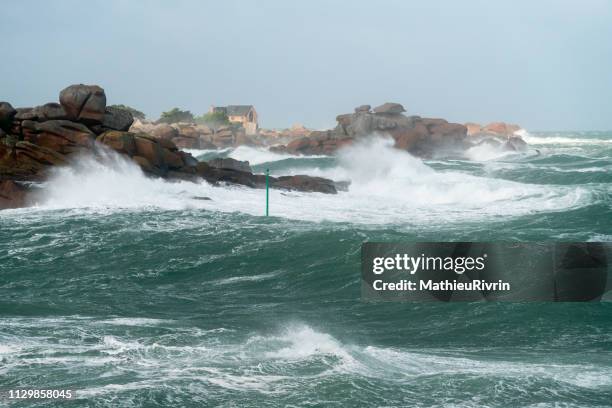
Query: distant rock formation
498, 134
425, 137
417, 135
194, 136
271, 137
34, 140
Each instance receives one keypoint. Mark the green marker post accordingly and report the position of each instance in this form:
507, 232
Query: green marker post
267, 191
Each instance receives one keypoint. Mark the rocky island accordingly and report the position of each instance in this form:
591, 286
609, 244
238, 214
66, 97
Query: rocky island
423, 137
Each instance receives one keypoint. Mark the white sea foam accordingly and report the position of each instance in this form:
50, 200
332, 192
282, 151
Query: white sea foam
388, 186
6, 349
564, 140
521, 133
272, 363
200, 152
134, 321
256, 155
246, 278
419, 363
298, 342
113, 345
486, 152
112, 182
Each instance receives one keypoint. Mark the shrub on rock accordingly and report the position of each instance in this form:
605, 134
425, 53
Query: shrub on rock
175, 115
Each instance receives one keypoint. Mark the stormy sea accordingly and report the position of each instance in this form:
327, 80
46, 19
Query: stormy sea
140, 292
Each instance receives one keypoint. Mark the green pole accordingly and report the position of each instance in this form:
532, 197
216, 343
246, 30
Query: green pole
267, 191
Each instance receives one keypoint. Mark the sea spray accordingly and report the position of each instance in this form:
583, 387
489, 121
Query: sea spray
110, 180
375, 168
567, 139
388, 186
488, 152
256, 155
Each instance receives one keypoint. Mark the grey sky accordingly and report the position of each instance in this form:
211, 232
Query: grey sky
543, 64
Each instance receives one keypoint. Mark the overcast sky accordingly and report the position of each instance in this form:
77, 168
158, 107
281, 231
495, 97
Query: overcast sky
546, 64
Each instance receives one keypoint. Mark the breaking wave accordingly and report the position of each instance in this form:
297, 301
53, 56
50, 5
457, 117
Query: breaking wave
187, 360
388, 186
565, 140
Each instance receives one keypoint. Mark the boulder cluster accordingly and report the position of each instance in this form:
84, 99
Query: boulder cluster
193, 136
197, 136
270, 137
34, 140
424, 137
496, 134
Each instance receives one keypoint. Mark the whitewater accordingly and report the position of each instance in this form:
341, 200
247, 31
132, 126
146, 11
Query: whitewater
136, 291
388, 186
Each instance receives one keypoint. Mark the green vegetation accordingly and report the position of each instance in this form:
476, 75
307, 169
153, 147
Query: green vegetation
175, 115
213, 119
135, 112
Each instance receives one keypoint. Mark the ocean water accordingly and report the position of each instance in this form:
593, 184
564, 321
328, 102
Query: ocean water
138, 293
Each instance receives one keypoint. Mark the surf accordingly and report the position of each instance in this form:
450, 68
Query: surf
387, 186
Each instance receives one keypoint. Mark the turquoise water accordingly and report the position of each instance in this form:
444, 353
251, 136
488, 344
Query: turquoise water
133, 293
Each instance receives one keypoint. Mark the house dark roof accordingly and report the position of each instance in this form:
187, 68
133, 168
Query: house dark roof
234, 110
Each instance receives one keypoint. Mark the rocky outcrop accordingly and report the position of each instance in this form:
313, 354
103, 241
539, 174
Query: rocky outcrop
25, 161
363, 108
193, 136
273, 137
84, 103
420, 136
497, 134
196, 136
390, 108
34, 140
515, 143
157, 157
61, 136
121, 142
228, 163
114, 119
501, 128
319, 142
424, 137
473, 128
162, 131
7, 113
160, 157
12, 194
142, 125
305, 183
494, 128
